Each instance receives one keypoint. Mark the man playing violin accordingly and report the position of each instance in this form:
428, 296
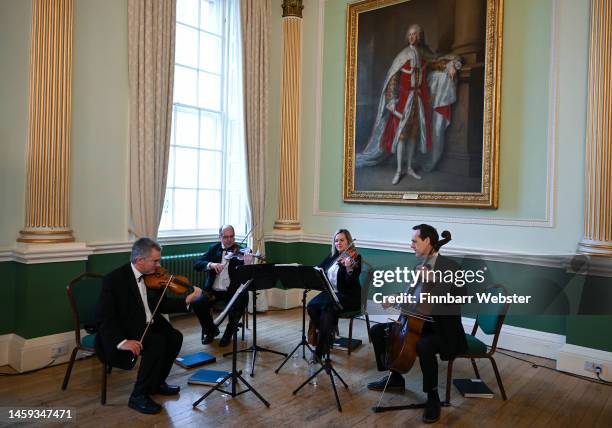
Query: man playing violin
125, 307
220, 263
444, 336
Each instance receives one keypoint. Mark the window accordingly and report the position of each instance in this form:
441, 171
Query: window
206, 184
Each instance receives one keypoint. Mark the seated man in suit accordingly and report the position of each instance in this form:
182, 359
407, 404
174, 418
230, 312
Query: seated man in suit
221, 285
444, 336
124, 309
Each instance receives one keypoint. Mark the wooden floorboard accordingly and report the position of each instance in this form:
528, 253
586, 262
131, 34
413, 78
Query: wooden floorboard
537, 397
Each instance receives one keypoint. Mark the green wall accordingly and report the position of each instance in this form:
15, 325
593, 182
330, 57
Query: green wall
543, 105
33, 298
7, 297
557, 294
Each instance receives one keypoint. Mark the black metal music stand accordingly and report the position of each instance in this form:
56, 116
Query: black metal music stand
331, 371
263, 279
235, 375
313, 278
303, 343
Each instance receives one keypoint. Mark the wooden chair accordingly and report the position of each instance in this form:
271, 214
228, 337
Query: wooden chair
83, 293
490, 320
365, 279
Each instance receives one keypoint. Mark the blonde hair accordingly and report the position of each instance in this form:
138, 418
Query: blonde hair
346, 234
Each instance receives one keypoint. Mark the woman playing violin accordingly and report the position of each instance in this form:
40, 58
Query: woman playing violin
443, 334
342, 268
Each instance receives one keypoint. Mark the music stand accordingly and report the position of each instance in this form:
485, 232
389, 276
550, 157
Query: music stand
313, 278
303, 343
263, 278
235, 375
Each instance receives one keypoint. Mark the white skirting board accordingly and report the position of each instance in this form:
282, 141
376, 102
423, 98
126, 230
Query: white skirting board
29, 354
573, 357
512, 338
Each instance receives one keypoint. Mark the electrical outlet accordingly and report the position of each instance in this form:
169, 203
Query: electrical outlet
59, 350
593, 367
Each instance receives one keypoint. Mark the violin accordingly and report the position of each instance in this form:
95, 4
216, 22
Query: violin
157, 281
238, 253
350, 253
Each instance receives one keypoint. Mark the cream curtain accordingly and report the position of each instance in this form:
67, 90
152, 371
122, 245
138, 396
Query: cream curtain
151, 33
255, 20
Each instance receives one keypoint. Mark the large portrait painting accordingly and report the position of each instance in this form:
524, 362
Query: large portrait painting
422, 102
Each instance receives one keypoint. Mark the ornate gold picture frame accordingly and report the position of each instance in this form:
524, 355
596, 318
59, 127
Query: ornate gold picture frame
422, 102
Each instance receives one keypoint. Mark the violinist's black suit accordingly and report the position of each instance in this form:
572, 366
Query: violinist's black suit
321, 309
120, 315
215, 254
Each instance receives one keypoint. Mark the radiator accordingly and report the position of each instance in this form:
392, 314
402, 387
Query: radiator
183, 265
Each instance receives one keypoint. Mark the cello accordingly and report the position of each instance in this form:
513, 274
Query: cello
407, 330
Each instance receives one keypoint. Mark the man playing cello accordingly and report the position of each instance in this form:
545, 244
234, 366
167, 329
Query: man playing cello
442, 334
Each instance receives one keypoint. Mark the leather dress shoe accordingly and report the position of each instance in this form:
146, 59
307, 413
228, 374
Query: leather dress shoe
431, 413
226, 339
208, 338
165, 389
396, 384
144, 404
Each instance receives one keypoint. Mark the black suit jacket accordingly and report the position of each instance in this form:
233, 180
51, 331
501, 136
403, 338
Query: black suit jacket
349, 289
213, 255
120, 313
447, 317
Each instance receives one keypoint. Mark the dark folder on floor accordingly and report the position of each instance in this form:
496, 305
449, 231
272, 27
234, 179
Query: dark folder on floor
343, 343
207, 377
473, 388
194, 360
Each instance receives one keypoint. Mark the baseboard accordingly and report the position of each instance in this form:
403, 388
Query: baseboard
523, 340
29, 354
285, 299
572, 358
5, 346
512, 338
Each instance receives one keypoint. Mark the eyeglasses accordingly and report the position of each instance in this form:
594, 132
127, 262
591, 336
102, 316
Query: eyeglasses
227, 236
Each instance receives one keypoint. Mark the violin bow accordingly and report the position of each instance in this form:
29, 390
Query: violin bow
154, 313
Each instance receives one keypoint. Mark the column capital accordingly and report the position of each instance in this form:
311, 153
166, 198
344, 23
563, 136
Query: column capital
292, 8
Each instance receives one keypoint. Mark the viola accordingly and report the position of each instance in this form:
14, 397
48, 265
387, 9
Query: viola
176, 283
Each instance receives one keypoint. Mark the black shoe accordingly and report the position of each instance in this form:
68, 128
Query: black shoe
226, 339
396, 384
165, 389
432, 411
144, 404
208, 338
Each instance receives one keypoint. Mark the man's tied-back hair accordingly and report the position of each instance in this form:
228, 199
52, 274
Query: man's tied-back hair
427, 231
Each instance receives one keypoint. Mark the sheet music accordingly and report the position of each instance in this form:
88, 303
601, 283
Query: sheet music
229, 305
330, 288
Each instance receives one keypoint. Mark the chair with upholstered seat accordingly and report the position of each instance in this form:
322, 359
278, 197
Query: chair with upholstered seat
365, 279
83, 293
490, 319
